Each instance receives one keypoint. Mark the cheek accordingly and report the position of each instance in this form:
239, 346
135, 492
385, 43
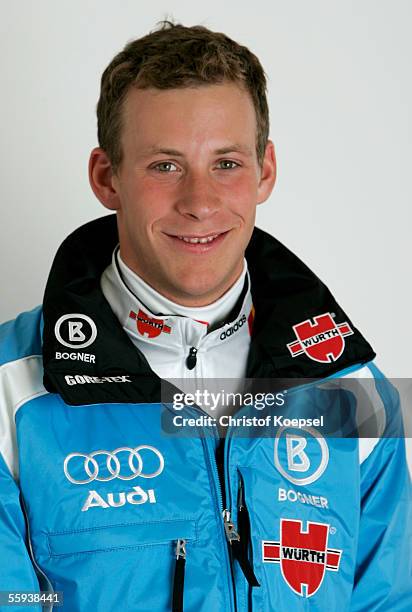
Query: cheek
144, 204
241, 197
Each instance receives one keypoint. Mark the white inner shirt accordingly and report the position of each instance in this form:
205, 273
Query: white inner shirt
166, 332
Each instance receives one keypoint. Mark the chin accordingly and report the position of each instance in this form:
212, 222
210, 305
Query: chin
198, 288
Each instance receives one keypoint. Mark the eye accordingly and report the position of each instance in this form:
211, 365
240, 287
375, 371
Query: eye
165, 167
228, 164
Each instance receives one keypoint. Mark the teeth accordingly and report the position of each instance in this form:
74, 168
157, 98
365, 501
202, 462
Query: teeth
198, 240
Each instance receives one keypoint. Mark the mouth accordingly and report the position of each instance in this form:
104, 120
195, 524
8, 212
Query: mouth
197, 243
198, 239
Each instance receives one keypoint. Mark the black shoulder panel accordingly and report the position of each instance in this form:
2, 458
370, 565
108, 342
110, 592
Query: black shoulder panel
299, 329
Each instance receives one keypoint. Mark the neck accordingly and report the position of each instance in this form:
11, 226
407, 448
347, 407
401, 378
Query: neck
158, 303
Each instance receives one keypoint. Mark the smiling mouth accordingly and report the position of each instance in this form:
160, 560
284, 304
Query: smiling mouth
194, 243
199, 239
196, 240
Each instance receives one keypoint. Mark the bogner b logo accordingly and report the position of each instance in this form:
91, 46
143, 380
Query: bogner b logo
301, 457
75, 330
303, 555
322, 341
298, 460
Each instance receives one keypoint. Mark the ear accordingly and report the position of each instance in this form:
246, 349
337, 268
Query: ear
267, 173
101, 179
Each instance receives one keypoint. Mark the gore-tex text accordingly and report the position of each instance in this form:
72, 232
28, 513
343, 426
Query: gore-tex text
82, 380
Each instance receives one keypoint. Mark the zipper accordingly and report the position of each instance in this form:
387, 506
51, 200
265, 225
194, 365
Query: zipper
213, 466
243, 522
240, 545
191, 359
230, 528
243, 516
179, 576
239, 548
241, 495
227, 525
213, 472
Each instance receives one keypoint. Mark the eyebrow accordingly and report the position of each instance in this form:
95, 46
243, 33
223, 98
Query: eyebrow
234, 148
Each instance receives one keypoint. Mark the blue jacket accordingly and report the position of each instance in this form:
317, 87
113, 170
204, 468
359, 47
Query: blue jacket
103, 500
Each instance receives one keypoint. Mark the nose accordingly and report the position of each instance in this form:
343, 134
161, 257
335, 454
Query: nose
198, 198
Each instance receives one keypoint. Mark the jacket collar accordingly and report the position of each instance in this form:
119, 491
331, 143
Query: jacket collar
88, 357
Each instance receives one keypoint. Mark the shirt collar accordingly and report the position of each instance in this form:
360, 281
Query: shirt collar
213, 315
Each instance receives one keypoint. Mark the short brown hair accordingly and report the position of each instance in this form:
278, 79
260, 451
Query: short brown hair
177, 56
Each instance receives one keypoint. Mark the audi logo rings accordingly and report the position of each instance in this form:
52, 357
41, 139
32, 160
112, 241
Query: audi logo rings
91, 466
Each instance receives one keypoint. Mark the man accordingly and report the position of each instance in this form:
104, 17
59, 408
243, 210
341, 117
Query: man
100, 498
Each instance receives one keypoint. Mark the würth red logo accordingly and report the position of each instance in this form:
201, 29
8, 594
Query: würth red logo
322, 340
149, 325
304, 556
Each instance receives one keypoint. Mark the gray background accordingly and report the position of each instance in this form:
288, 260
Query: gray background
340, 96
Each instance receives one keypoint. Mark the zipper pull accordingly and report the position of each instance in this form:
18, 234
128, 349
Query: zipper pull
191, 359
230, 529
179, 577
239, 549
181, 549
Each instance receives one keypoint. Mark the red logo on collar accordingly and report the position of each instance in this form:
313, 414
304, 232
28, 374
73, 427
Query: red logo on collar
322, 340
149, 326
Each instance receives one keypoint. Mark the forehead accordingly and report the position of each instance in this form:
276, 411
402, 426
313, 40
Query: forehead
188, 116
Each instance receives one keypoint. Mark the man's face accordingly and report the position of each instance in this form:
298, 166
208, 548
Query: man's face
187, 188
